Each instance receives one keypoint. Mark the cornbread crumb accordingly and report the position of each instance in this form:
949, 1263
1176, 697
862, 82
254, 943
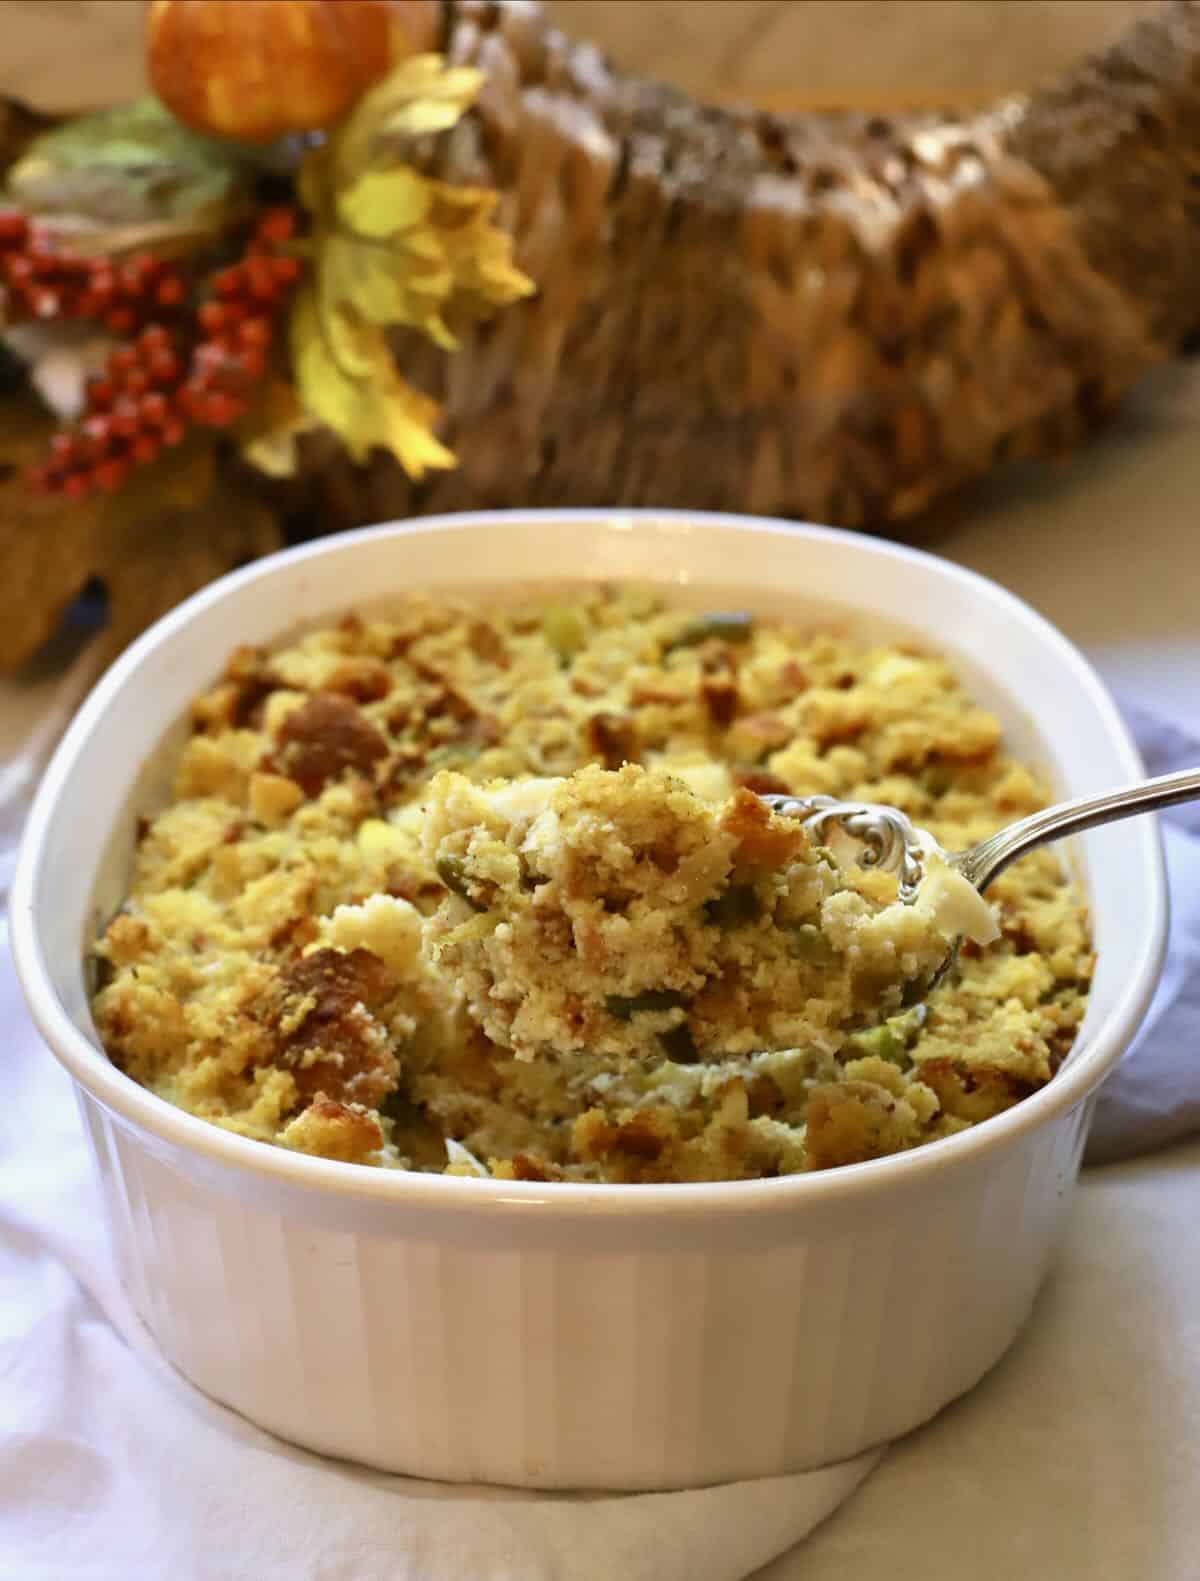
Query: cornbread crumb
343, 1131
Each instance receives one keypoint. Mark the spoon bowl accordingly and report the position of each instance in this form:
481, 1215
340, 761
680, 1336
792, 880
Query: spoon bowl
890, 841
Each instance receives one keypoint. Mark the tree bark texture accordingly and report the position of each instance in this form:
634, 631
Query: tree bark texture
835, 317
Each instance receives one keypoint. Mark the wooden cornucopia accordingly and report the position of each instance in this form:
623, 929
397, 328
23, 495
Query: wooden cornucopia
368, 258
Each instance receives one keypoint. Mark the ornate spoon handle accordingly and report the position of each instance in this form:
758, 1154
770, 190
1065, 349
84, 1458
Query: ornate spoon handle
981, 863
890, 841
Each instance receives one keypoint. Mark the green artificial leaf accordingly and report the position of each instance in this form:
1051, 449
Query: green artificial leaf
134, 164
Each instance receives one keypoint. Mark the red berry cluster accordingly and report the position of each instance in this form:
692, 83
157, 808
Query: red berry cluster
237, 322
131, 412
44, 279
201, 372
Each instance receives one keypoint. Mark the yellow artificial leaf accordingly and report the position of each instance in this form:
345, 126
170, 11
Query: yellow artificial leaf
277, 454
418, 98
392, 247
384, 202
478, 253
338, 309
379, 290
364, 409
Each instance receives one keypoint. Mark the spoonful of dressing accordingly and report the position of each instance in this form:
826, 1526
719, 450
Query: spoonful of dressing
619, 916
887, 841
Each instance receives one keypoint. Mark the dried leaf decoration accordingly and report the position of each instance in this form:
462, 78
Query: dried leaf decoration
174, 527
392, 247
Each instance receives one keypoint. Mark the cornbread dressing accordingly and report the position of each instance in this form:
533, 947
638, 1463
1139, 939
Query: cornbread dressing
618, 913
486, 891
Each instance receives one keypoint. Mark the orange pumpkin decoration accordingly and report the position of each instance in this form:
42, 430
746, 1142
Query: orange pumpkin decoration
255, 69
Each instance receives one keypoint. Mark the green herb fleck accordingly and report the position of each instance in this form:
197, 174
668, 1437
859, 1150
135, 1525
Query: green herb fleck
881, 1042
452, 871
679, 1045
725, 625
652, 999
736, 907
564, 630
810, 944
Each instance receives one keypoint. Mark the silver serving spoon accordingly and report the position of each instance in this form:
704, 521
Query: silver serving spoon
892, 843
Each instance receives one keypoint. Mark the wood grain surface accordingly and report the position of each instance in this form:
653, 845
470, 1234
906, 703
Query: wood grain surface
62, 54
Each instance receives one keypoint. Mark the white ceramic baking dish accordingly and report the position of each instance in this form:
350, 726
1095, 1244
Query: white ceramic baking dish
571, 1335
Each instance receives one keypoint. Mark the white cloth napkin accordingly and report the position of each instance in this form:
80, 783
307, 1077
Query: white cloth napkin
1153, 1096
112, 1467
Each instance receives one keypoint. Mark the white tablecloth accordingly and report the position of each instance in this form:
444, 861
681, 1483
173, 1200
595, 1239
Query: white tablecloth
1079, 1457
